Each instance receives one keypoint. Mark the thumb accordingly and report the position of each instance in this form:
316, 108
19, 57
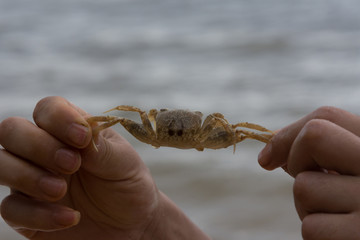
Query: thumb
114, 159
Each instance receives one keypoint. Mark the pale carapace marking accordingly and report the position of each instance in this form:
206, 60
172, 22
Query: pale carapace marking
183, 129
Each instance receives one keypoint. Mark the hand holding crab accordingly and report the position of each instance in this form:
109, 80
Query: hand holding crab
183, 129
62, 189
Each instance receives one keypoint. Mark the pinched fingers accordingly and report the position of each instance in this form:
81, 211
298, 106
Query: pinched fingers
326, 140
63, 120
322, 144
115, 158
275, 154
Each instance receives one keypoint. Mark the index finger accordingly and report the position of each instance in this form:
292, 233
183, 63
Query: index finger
324, 145
275, 153
63, 120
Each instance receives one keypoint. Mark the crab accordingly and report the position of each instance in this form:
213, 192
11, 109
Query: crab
182, 128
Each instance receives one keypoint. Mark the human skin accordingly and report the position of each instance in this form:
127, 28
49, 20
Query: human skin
62, 188
321, 151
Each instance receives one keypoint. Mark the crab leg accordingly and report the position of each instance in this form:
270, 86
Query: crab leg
109, 121
251, 126
152, 117
137, 130
144, 117
211, 122
243, 134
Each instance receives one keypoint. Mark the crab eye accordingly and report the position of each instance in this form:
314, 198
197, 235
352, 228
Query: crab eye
171, 132
180, 133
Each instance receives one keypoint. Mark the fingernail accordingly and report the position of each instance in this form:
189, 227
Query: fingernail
264, 157
66, 217
78, 134
67, 160
52, 186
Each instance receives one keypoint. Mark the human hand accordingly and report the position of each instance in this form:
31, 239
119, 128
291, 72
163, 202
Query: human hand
56, 176
322, 152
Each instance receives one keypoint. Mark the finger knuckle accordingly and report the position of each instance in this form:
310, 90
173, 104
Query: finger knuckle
8, 125
44, 105
300, 187
308, 229
313, 132
327, 112
356, 218
5, 208
40, 107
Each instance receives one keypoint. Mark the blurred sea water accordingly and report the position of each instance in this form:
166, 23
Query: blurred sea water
267, 62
